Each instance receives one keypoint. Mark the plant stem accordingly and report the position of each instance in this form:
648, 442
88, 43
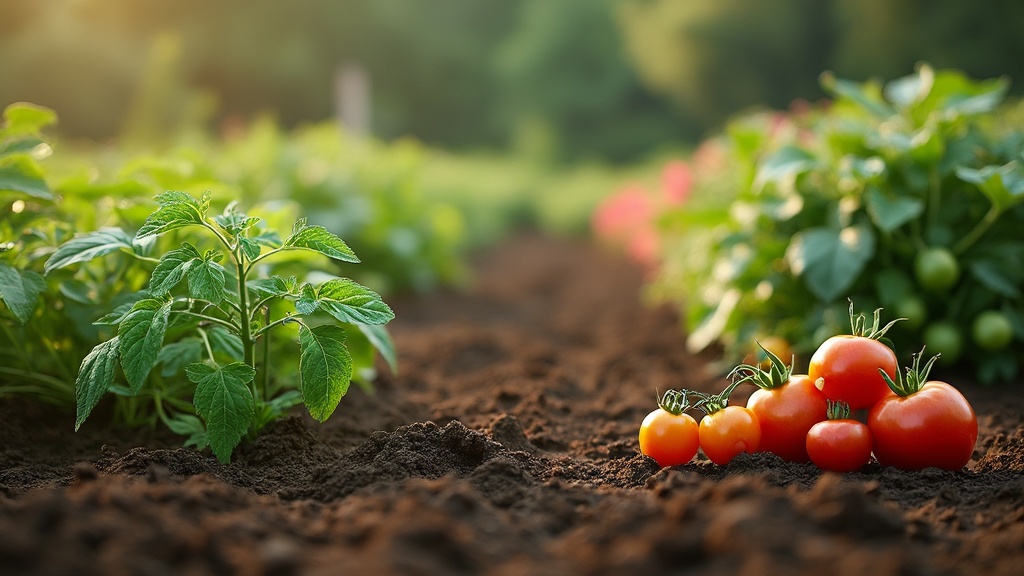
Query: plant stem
266, 356
212, 319
206, 341
245, 322
277, 322
979, 229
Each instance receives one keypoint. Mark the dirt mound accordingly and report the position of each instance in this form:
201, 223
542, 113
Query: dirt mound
505, 445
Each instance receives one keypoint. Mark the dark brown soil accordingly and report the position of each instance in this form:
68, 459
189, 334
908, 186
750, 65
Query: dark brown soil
506, 445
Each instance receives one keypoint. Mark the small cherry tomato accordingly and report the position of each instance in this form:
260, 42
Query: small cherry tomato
926, 423
913, 309
728, 431
992, 330
668, 434
936, 269
839, 444
944, 338
845, 367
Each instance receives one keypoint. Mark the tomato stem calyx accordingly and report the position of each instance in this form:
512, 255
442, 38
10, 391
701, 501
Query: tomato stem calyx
774, 377
837, 410
674, 402
916, 376
859, 324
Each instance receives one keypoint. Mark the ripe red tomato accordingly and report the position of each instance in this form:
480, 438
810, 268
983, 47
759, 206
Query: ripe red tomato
668, 434
726, 432
847, 367
839, 445
785, 414
933, 426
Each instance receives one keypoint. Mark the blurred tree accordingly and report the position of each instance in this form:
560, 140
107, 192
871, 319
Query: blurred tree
574, 78
715, 57
565, 75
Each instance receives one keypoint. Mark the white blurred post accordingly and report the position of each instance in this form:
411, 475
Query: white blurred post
352, 104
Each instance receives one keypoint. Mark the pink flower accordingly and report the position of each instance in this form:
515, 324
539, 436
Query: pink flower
676, 182
620, 215
644, 247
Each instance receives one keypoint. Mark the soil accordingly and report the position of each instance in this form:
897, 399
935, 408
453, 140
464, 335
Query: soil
506, 445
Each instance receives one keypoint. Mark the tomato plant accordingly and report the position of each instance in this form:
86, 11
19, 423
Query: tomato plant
840, 443
925, 423
726, 431
668, 434
845, 368
905, 194
189, 290
786, 406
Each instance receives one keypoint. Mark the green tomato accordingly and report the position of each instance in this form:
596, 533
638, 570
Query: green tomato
943, 338
913, 309
992, 330
936, 269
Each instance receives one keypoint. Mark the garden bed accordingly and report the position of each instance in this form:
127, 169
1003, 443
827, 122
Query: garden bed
505, 445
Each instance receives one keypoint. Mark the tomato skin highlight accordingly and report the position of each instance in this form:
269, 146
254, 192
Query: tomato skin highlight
671, 439
934, 426
728, 432
786, 414
848, 366
839, 445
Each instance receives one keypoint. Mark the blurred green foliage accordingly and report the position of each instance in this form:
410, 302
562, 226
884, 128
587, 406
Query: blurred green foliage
905, 195
362, 188
565, 80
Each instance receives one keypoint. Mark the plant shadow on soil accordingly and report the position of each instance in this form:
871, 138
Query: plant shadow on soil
505, 445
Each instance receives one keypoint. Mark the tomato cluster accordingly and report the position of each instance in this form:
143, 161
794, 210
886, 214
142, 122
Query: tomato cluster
912, 422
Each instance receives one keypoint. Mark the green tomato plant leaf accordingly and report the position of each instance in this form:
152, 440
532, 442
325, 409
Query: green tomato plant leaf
348, 301
191, 426
20, 145
85, 247
787, 163
234, 222
889, 212
867, 96
206, 280
20, 290
912, 89
325, 368
141, 335
226, 343
173, 357
177, 210
319, 239
996, 277
172, 268
250, 248
95, 377
224, 400
830, 260
22, 118
19, 173
381, 341
1002, 185
273, 286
